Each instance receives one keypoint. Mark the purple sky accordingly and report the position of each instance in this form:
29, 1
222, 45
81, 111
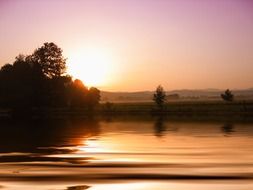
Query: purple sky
177, 43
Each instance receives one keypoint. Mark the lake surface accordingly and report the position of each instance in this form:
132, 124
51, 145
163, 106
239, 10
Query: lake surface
126, 153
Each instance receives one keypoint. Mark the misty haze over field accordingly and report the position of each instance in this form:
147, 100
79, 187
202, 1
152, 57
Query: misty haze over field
174, 95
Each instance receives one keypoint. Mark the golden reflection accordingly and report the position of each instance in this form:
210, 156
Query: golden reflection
127, 186
105, 151
94, 146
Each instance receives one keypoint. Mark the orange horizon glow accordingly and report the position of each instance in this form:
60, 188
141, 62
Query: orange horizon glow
126, 45
93, 66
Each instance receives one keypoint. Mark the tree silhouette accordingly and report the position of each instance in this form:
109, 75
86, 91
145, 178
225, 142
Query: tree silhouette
78, 94
50, 59
227, 96
93, 97
37, 81
6, 69
81, 96
159, 96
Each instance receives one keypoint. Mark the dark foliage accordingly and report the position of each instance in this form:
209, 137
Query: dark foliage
37, 80
159, 96
50, 59
227, 96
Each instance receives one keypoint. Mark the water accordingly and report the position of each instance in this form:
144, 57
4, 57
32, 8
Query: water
126, 153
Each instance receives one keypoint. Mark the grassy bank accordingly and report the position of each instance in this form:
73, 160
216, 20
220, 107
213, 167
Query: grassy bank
189, 107
193, 108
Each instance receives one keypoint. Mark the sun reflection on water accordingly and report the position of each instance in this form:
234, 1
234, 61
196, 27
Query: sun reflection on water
104, 151
133, 186
94, 146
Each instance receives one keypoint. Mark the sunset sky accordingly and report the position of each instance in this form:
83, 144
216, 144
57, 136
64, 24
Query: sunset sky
134, 45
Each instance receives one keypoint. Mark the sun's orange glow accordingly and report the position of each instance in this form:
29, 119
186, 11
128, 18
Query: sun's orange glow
94, 66
132, 185
104, 150
93, 146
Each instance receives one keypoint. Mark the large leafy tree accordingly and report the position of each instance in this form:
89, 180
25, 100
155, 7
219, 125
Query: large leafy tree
37, 80
50, 59
159, 96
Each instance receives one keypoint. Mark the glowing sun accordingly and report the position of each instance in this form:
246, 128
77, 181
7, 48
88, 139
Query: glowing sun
92, 66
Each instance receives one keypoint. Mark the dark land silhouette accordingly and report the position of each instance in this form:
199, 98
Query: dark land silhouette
38, 84
40, 80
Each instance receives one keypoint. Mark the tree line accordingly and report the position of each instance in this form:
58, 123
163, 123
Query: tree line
160, 97
40, 80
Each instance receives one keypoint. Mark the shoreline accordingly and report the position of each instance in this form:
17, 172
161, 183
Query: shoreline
237, 109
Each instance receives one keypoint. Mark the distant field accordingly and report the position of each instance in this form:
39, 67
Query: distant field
175, 95
182, 107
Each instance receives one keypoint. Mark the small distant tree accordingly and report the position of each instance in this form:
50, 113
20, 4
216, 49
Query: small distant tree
159, 96
227, 96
